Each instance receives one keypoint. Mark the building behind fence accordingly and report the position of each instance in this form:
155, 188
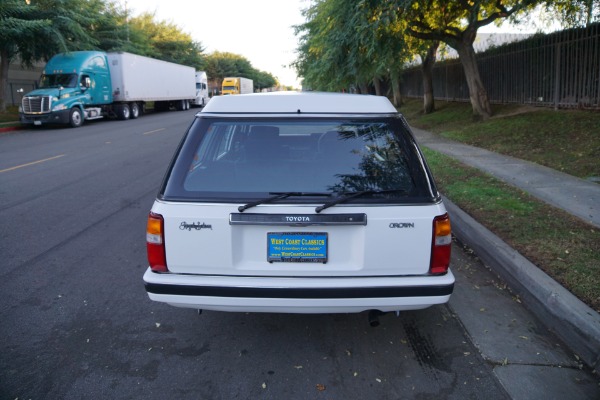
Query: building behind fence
560, 70
21, 81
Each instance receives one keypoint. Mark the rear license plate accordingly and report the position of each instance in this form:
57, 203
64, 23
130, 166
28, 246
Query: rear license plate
297, 247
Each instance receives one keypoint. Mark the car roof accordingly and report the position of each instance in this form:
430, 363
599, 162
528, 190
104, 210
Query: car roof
299, 103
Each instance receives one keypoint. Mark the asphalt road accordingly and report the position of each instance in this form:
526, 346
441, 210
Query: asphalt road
76, 323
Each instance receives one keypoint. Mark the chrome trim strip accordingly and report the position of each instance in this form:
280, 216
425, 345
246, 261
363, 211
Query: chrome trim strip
296, 219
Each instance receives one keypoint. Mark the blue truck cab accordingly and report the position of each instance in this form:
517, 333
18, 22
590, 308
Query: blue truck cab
74, 86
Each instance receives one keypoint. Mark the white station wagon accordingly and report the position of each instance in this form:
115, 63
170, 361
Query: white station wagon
299, 203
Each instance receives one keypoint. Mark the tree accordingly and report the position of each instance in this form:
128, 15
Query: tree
222, 64
396, 49
327, 55
166, 41
263, 80
427, 63
22, 25
347, 43
458, 29
113, 32
381, 39
573, 13
357, 42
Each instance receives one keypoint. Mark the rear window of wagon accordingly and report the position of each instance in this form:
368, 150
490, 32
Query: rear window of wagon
240, 159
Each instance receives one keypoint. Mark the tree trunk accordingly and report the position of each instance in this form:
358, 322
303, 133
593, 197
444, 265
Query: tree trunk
427, 69
396, 89
364, 88
477, 93
4, 62
377, 85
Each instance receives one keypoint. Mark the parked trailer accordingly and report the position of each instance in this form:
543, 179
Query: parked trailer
87, 85
237, 85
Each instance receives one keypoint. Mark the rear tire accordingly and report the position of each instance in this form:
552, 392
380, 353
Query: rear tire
123, 111
75, 117
135, 110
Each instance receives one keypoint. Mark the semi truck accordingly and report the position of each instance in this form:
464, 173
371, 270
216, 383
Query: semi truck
237, 85
87, 85
201, 97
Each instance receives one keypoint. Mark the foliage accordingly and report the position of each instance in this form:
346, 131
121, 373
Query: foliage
222, 64
56, 21
263, 80
165, 40
573, 13
59, 22
325, 43
349, 43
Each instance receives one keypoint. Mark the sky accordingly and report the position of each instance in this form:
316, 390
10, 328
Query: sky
259, 30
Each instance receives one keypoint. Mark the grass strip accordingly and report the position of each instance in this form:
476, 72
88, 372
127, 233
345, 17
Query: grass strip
564, 140
565, 247
10, 115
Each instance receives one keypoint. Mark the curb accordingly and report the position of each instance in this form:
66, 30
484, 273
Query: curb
573, 321
10, 128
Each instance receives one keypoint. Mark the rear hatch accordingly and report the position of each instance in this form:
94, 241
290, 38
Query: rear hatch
299, 196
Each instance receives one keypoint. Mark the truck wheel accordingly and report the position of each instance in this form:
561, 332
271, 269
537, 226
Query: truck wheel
135, 110
123, 111
75, 117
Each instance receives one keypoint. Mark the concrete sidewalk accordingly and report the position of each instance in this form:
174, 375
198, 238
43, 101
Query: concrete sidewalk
574, 195
574, 322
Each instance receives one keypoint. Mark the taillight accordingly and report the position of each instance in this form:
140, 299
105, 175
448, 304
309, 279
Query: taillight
155, 243
441, 245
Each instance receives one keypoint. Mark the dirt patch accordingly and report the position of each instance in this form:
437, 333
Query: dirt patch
521, 109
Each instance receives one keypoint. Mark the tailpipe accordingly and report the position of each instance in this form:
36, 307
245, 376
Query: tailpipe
374, 318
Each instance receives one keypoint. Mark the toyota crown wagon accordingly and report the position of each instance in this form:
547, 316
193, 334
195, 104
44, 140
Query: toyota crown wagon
299, 203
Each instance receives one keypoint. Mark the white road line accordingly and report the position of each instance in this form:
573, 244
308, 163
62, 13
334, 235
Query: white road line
154, 131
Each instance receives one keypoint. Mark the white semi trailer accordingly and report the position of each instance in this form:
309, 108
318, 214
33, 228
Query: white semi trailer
143, 79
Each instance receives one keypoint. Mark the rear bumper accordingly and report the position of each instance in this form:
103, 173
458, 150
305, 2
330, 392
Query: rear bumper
299, 295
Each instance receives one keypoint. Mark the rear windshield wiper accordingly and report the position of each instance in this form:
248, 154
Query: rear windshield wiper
279, 196
351, 195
